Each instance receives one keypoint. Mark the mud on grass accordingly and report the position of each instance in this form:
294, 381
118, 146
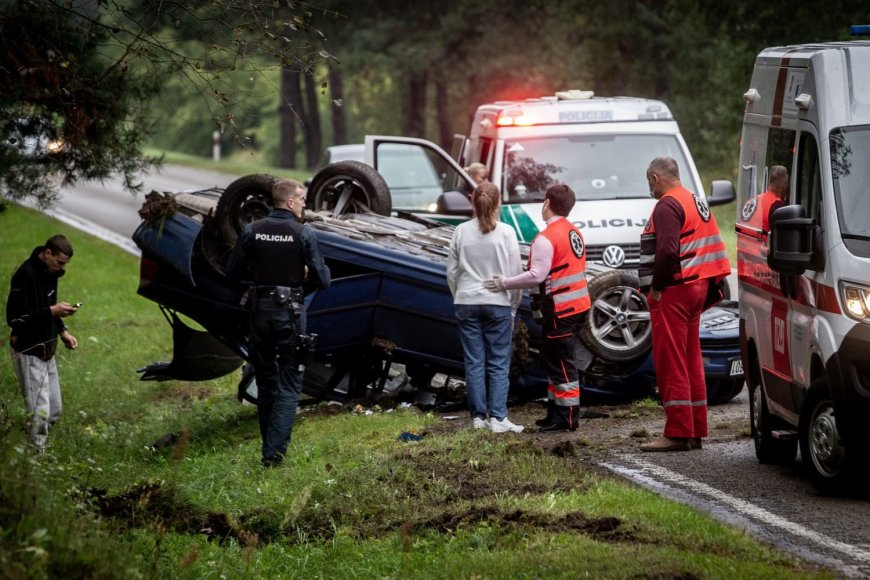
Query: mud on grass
441, 487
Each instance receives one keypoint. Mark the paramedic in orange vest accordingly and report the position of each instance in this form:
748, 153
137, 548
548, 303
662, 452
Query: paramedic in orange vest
682, 260
557, 265
756, 212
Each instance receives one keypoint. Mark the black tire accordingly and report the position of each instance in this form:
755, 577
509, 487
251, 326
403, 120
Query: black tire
617, 327
245, 200
830, 463
349, 187
762, 424
724, 390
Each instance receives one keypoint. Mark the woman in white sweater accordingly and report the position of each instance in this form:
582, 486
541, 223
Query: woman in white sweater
482, 248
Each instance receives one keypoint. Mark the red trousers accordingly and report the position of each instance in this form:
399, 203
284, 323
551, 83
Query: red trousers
676, 347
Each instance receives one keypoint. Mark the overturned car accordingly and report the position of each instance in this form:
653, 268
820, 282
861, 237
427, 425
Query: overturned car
388, 303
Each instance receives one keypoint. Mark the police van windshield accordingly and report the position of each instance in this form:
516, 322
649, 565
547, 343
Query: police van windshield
850, 148
594, 166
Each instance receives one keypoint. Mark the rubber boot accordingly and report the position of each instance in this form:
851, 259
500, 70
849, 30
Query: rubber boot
565, 418
549, 418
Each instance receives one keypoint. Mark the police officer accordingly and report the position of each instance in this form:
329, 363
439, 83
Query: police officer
557, 265
682, 260
277, 254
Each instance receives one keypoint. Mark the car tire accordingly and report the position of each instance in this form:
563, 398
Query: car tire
617, 327
246, 199
832, 465
768, 450
349, 187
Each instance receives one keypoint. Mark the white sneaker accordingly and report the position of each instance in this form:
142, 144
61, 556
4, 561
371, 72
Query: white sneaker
504, 425
479, 423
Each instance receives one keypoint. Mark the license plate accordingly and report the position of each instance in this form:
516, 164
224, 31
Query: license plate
736, 368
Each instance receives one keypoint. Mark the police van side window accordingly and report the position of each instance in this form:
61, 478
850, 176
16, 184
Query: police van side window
809, 183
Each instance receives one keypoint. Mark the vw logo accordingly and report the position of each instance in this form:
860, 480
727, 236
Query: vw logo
613, 256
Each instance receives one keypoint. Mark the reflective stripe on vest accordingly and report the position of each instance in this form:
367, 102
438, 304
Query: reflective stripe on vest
566, 283
702, 251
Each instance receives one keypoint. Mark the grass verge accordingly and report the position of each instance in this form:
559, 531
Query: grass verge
352, 500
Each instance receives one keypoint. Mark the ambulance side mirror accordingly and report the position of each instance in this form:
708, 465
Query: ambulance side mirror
792, 240
454, 203
722, 192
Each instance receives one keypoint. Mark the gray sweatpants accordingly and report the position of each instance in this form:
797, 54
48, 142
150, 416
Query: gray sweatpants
41, 390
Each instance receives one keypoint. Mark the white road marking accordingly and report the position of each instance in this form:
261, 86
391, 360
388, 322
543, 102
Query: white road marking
652, 474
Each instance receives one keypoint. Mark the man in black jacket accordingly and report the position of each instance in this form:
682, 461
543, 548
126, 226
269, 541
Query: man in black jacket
36, 318
276, 255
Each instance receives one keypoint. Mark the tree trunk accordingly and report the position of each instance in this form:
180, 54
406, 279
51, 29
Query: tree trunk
313, 135
415, 115
339, 119
445, 135
290, 110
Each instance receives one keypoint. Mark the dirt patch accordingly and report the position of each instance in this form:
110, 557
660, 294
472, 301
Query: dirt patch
184, 392
608, 429
608, 529
156, 504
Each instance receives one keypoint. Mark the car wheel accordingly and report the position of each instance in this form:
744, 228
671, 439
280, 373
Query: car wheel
349, 187
828, 460
617, 327
768, 450
245, 200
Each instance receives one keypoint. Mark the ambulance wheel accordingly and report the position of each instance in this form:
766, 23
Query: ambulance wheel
245, 200
617, 327
831, 464
349, 187
767, 449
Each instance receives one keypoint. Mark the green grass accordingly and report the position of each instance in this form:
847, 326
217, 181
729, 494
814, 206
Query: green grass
352, 499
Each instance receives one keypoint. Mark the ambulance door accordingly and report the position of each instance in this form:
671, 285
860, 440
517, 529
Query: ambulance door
802, 289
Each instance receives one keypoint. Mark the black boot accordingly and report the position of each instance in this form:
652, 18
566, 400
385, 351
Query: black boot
549, 418
564, 419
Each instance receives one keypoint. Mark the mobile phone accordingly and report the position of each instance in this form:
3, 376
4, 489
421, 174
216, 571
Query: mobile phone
77, 305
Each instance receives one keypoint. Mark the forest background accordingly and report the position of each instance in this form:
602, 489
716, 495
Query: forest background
283, 79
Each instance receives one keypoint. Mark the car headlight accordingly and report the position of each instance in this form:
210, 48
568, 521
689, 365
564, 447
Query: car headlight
856, 300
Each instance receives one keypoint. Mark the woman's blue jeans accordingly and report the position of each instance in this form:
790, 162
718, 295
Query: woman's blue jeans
485, 332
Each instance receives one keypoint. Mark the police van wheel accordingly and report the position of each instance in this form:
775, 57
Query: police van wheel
349, 187
767, 449
245, 200
617, 327
829, 461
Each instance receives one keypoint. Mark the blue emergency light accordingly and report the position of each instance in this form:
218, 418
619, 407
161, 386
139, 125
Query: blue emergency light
860, 29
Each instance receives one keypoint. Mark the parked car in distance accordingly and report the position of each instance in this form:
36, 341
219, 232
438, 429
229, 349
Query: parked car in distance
389, 302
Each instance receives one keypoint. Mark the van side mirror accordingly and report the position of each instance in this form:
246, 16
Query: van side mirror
722, 192
792, 240
454, 203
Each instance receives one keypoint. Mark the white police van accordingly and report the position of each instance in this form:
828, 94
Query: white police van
600, 147
804, 293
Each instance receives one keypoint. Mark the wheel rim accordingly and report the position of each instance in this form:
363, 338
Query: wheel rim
341, 195
825, 448
620, 320
250, 208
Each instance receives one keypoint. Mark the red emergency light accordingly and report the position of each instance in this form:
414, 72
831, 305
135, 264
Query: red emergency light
513, 117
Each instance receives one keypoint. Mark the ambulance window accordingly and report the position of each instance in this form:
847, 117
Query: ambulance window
780, 150
809, 183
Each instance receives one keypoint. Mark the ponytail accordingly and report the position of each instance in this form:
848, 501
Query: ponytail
485, 199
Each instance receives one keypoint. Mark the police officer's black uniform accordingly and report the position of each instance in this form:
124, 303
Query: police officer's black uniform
272, 253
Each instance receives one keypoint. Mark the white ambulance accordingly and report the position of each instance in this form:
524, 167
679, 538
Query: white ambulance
600, 147
804, 289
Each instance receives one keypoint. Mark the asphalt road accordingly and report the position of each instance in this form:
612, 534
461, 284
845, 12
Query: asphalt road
773, 503
776, 504
111, 213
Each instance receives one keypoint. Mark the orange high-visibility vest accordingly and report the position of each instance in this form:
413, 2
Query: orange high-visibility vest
566, 282
702, 251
